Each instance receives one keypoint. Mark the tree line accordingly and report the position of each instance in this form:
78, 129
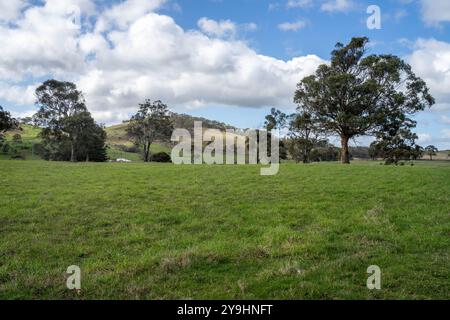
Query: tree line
356, 95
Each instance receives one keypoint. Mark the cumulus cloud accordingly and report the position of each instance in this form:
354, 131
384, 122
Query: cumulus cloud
217, 28
124, 13
20, 94
224, 28
435, 11
44, 40
10, 10
131, 52
424, 138
431, 61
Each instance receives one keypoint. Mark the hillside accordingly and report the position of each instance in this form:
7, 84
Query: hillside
120, 146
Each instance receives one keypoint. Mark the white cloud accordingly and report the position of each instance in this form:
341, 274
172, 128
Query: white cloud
325, 5
44, 40
131, 54
124, 13
224, 28
23, 114
217, 28
11, 9
435, 11
188, 69
424, 138
299, 3
431, 61
292, 26
445, 133
20, 94
337, 6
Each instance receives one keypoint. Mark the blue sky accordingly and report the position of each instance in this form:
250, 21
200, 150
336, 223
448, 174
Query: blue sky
227, 60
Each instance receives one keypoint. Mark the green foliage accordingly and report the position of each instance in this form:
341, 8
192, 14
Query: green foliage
69, 131
431, 151
396, 146
304, 135
358, 95
276, 120
17, 139
6, 121
151, 123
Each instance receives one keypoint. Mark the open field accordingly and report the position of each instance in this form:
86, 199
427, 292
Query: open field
164, 231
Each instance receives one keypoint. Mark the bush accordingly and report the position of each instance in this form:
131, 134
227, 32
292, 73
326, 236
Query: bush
132, 149
161, 157
18, 154
5, 148
17, 139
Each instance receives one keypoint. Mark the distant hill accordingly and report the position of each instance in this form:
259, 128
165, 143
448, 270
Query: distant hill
120, 146
440, 155
187, 122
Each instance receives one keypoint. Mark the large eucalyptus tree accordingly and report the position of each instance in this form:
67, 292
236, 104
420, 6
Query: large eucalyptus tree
358, 94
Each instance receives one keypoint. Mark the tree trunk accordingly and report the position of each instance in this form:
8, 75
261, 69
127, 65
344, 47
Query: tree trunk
72, 153
345, 154
147, 152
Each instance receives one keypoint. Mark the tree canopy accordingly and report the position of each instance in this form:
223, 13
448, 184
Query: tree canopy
68, 130
151, 123
6, 121
359, 95
431, 151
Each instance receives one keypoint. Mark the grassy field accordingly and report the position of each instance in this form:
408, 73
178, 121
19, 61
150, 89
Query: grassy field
149, 231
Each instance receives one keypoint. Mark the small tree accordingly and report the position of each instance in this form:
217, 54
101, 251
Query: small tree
68, 130
357, 95
417, 152
90, 137
431, 151
396, 146
6, 122
304, 134
374, 153
58, 102
276, 120
151, 123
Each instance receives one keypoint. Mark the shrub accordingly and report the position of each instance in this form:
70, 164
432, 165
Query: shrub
161, 157
17, 139
132, 149
5, 148
18, 154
